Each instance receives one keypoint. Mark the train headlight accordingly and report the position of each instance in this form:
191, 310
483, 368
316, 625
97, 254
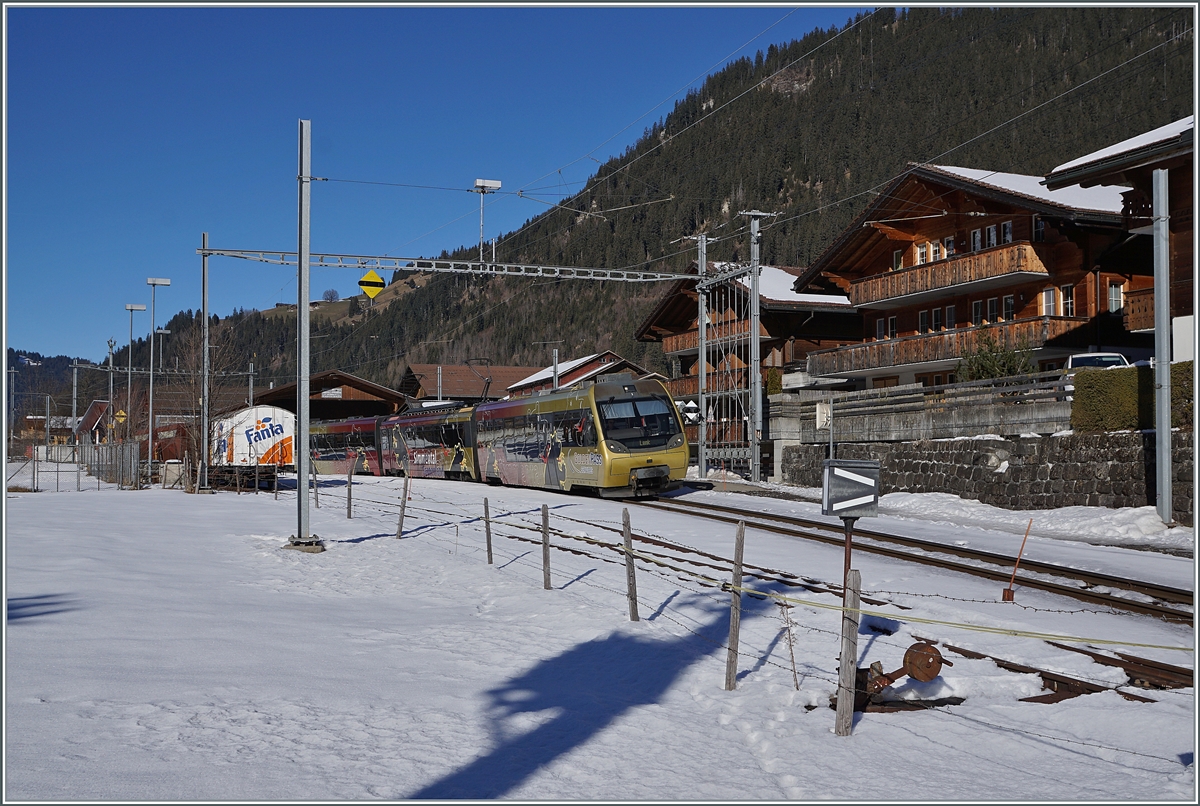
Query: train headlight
676, 441
615, 447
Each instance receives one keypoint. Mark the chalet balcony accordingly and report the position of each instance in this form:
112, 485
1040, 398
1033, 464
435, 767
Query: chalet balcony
947, 345
716, 383
975, 271
1138, 311
717, 334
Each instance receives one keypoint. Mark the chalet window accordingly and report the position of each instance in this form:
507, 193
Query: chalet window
880, 331
977, 312
937, 380
898, 260
891, 327
1039, 230
976, 240
950, 322
1116, 296
993, 314
949, 244
937, 319
1046, 302
922, 254
923, 322
1010, 308
950, 378
1068, 300
1006, 232
935, 251
991, 236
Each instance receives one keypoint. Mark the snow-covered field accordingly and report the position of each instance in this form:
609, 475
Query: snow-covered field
164, 646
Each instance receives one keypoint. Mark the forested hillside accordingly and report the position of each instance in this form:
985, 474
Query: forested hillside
807, 130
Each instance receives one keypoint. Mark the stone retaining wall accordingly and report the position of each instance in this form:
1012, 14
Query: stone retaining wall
1048, 472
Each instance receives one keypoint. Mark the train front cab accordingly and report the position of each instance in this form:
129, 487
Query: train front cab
641, 438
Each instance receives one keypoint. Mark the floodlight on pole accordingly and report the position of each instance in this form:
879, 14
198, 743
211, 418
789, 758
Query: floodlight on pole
484, 187
162, 331
154, 283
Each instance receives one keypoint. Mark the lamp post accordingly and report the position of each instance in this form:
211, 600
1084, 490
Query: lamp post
484, 187
154, 283
129, 379
162, 331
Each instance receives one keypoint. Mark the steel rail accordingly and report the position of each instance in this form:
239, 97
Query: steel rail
1163, 592
794, 528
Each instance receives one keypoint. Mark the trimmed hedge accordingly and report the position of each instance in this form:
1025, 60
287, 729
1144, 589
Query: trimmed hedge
1123, 399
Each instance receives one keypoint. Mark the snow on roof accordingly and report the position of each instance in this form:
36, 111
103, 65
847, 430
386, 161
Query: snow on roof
1104, 199
775, 284
548, 373
1168, 132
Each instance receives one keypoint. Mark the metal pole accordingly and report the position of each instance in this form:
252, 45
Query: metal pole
439, 382
555, 369
150, 415
482, 193
702, 326
1162, 347
755, 358
302, 447
74, 395
250, 399
206, 447
111, 403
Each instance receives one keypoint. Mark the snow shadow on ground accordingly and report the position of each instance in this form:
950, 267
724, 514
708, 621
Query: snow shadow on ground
584, 689
20, 608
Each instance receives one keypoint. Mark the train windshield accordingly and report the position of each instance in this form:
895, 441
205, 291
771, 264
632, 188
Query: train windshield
639, 422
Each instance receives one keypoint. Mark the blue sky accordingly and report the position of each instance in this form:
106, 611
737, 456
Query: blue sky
132, 130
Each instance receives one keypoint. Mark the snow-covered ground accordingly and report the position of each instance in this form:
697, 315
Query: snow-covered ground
162, 646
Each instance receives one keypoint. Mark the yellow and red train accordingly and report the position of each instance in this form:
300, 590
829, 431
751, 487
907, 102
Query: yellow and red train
618, 438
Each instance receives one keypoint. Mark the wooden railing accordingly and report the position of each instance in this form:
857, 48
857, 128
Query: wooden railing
994, 262
689, 385
682, 342
1138, 311
946, 345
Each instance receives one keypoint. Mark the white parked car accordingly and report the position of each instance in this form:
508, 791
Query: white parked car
1091, 361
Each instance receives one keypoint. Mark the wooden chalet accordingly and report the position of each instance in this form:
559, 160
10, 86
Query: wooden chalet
946, 259
791, 325
336, 395
577, 371
466, 383
1131, 163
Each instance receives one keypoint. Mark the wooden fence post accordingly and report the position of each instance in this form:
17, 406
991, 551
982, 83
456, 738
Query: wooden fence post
630, 577
256, 466
316, 485
848, 668
546, 547
403, 504
735, 609
349, 484
276, 480
237, 479
487, 529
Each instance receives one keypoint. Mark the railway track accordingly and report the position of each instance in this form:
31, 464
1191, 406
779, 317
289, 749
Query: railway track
1086, 586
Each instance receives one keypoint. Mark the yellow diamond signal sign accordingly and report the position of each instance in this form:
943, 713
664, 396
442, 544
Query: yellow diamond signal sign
120, 416
371, 284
